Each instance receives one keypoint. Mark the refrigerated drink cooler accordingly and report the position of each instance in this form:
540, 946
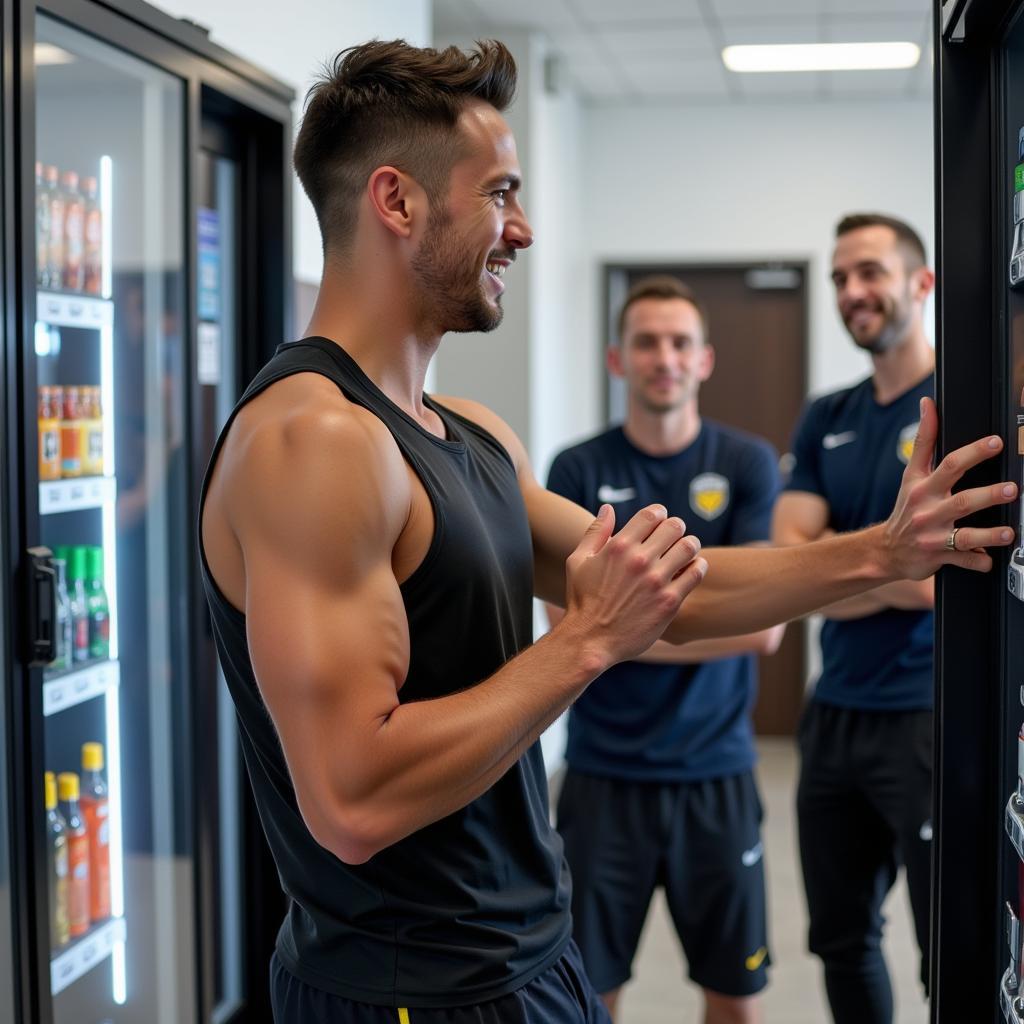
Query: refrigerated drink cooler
978, 889
146, 275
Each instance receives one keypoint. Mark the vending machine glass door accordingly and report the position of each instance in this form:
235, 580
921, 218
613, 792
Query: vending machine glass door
107, 366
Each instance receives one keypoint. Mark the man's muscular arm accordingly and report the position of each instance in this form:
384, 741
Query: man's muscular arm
329, 637
747, 590
801, 517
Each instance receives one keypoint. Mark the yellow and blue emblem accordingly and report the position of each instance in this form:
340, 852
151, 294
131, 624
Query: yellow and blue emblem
709, 495
905, 446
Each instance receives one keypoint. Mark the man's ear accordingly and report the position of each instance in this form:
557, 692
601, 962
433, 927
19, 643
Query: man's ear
613, 360
924, 282
707, 362
396, 200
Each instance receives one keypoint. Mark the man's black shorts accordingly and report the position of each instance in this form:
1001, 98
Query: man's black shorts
701, 841
560, 995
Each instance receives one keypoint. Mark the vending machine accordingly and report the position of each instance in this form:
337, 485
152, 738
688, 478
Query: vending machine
977, 972
146, 275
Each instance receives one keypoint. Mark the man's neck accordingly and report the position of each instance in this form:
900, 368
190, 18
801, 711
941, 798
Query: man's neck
662, 433
903, 366
376, 327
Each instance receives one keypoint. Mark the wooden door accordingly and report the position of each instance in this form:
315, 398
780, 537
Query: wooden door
757, 323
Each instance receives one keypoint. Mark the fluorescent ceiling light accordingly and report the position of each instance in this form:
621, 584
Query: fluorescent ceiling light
822, 57
47, 53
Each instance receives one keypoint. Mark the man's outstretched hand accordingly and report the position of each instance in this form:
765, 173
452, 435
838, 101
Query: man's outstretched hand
926, 511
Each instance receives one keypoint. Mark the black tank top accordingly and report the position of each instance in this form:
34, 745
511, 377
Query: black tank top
475, 905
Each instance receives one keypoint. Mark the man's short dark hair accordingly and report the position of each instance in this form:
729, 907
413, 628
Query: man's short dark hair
662, 286
906, 237
389, 103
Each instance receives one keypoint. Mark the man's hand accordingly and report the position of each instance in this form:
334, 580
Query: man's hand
926, 510
622, 591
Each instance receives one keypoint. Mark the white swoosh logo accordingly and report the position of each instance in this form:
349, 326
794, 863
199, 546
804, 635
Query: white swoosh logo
752, 856
614, 494
831, 441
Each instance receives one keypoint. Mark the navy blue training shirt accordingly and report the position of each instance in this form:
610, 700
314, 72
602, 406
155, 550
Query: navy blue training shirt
669, 723
852, 452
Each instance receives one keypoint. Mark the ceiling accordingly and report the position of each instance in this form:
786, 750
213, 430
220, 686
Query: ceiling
618, 51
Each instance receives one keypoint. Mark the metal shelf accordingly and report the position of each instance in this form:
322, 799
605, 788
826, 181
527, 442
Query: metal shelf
75, 494
71, 688
84, 311
70, 964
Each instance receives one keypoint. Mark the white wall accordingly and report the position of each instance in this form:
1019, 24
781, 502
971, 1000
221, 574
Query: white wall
526, 369
291, 48
753, 182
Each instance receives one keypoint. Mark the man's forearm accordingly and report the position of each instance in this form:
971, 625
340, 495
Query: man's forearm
903, 595
749, 589
765, 641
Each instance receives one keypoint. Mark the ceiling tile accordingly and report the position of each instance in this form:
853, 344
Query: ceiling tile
546, 15
867, 8
737, 10
577, 46
633, 12
777, 86
867, 83
779, 30
657, 43
696, 94
847, 30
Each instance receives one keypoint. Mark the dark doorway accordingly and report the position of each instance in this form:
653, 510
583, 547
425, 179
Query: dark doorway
757, 315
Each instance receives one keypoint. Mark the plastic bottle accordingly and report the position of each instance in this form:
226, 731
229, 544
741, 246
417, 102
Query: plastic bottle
49, 436
93, 255
55, 239
74, 233
96, 604
57, 852
79, 605
65, 636
96, 810
78, 855
91, 421
70, 435
42, 228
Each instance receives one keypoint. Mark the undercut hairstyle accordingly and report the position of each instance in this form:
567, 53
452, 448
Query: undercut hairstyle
914, 256
662, 286
390, 104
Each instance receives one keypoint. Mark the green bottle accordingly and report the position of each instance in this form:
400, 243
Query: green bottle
97, 606
79, 611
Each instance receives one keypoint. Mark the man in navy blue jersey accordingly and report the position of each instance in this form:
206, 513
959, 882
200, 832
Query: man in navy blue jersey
660, 788
864, 797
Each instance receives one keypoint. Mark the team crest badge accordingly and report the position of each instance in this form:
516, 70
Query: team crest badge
905, 447
709, 495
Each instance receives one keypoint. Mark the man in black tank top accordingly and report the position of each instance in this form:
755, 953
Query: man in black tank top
370, 553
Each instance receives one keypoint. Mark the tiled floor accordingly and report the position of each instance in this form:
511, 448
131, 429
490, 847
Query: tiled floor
659, 995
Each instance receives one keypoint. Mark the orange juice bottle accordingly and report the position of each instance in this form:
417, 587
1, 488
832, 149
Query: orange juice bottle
70, 435
78, 856
91, 421
96, 811
49, 436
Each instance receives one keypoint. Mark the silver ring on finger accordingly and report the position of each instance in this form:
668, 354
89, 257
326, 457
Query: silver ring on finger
951, 539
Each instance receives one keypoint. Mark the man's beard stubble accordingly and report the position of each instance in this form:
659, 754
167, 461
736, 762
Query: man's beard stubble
452, 296
894, 328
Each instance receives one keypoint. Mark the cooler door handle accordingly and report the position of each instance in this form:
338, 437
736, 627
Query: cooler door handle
42, 606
